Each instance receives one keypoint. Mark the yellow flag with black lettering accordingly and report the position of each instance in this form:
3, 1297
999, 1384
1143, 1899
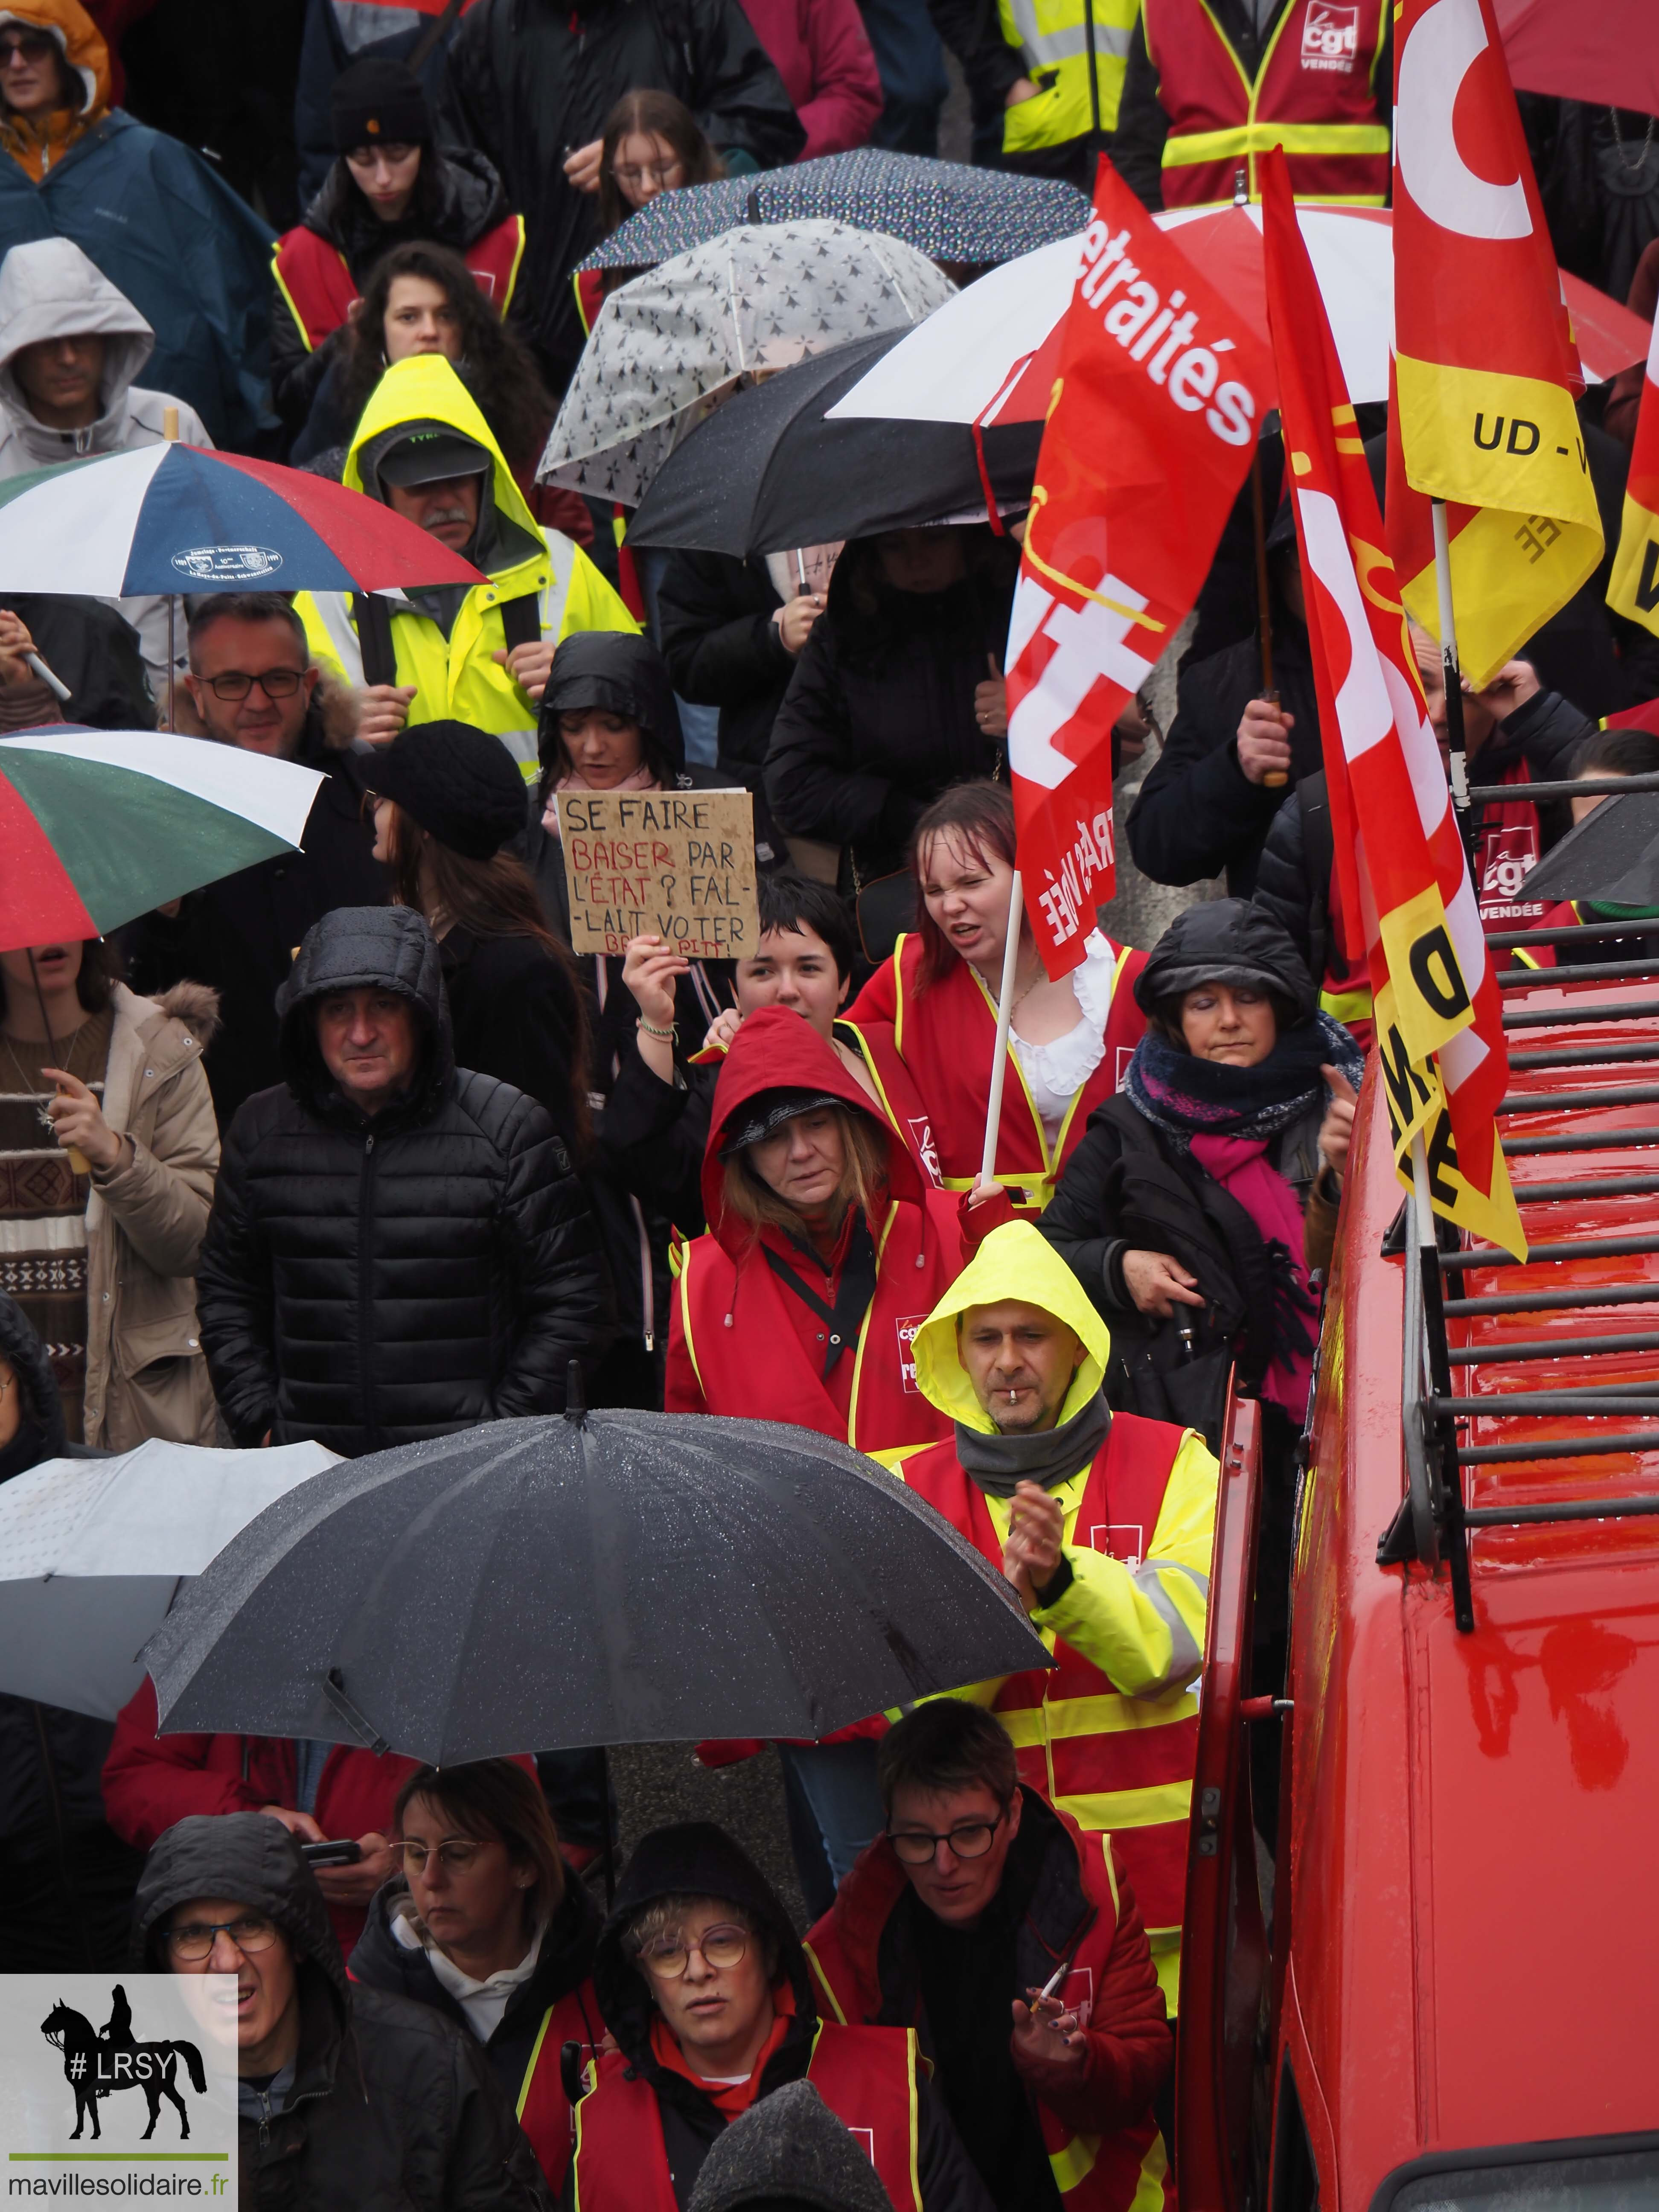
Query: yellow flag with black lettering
1634, 590
1486, 367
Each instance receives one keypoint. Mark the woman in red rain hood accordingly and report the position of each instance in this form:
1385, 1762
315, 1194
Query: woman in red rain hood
823, 1255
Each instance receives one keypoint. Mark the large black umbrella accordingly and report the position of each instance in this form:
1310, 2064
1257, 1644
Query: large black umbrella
767, 472
1611, 856
609, 1578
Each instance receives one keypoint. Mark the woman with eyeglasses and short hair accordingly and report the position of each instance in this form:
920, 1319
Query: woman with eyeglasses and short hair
486, 1924
705, 1989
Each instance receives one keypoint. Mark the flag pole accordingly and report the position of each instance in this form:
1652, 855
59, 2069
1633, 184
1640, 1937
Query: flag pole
1005, 1019
1453, 679
170, 434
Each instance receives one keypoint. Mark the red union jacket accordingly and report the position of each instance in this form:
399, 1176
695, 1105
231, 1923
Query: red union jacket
1104, 2145
946, 1036
735, 1347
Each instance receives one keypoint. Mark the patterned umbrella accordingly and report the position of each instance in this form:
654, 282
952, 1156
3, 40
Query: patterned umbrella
749, 301
173, 518
97, 826
944, 210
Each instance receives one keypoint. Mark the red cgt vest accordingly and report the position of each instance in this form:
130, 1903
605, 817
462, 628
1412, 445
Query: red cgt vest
946, 1039
866, 2075
542, 2108
1314, 94
1067, 1748
1506, 852
313, 277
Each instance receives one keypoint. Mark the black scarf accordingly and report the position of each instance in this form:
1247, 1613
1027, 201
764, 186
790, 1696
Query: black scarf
1049, 1456
1185, 1096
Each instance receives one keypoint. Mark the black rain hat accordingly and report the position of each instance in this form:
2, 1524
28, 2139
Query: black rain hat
770, 1109
378, 102
459, 783
429, 455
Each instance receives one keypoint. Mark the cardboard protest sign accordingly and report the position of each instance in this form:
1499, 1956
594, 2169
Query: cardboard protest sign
678, 864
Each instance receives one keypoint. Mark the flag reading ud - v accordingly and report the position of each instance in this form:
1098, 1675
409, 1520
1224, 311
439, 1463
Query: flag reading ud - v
1156, 410
1399, 855
1486, 367
1634, 590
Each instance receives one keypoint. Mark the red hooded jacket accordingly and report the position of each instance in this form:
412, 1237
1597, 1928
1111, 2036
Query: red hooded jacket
736, 1343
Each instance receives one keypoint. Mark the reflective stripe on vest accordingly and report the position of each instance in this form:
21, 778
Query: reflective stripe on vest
543, 2109
866, 2076
1053, 38
315, 279
1348, 1006
1313, 94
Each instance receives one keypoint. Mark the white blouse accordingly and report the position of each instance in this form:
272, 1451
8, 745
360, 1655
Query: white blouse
1054, 1073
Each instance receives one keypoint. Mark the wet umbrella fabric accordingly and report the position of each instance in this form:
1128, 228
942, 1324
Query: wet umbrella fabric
1610, 857
626, 1578
748, 302
944, 209
767, 472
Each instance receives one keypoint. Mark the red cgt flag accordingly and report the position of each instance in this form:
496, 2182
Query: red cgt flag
1150, 429
1439, 1026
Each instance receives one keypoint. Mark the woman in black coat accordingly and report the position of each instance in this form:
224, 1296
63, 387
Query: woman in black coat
897, 692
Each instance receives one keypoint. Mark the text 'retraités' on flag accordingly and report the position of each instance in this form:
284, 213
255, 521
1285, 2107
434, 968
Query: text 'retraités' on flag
1485, 368
1439, 1024
1156, 409
1634, 589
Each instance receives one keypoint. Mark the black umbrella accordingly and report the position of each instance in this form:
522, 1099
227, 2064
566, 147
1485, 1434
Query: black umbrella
609, 1578
1611, 856
767, 472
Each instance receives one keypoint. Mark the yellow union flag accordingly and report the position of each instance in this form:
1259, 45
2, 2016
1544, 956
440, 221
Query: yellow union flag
1634, 589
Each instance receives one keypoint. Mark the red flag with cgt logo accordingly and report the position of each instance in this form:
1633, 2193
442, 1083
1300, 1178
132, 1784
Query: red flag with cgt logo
1156, 409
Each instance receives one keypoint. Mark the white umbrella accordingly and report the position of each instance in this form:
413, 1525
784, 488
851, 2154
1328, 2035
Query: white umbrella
748, 302
92, 1551
1001, 335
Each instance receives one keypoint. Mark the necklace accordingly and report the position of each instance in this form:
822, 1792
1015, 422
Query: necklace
1632, 168
43, 1109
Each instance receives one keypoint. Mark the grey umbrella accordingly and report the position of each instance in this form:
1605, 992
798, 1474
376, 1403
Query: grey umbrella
616, 1577
1611, 856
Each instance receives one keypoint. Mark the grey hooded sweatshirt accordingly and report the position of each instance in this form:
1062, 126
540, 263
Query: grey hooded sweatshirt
48, 290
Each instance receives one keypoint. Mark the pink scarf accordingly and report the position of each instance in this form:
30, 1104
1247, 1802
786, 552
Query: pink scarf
1239, 1165
642, 780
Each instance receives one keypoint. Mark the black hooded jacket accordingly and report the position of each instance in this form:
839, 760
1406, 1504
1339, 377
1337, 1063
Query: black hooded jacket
458, 197
238, 935
530, 81
370, 1282
393, 2109
695, 1858
563, 1963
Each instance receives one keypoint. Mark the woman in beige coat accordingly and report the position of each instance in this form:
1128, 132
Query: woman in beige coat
108, 1151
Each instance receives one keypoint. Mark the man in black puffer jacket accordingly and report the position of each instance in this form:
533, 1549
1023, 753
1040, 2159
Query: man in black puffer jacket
398, 1249
350, 2101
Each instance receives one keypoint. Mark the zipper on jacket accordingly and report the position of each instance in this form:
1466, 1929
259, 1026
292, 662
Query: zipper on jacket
364, 1302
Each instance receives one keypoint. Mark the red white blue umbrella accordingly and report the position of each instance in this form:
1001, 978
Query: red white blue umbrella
171, 519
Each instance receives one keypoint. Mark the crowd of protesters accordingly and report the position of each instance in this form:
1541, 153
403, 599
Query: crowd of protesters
352, 1146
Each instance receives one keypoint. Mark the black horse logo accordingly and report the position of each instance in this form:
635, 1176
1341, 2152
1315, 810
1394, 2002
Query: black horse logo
97, 2065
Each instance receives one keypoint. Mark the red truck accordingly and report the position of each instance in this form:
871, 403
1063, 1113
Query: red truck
1443, 1990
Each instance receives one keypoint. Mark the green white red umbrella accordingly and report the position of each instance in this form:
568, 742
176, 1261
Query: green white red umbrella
97, 826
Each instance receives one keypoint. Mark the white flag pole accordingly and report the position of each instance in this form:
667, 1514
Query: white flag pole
1005, 1017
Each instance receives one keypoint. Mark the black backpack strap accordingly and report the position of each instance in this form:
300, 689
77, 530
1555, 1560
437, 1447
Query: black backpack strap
521, 619
372, 619
1318, 858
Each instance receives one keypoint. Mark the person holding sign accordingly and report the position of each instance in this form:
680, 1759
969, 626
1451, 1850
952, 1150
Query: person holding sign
1069, 1042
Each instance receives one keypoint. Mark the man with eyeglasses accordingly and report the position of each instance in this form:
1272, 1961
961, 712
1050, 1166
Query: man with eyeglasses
253, 683
1013, 1944
347, 2097
705, 1989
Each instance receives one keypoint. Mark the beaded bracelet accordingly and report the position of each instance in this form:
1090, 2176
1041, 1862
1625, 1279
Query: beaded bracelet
668, 1036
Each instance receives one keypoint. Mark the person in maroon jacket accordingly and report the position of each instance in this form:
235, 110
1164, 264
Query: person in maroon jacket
320, 1792
1011, 1943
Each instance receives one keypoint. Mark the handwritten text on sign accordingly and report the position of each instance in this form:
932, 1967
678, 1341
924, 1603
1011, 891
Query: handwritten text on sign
676, 864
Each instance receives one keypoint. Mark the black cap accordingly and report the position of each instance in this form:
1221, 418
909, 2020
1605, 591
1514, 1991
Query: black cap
428, 456
458, 782
378, 102
769, 1110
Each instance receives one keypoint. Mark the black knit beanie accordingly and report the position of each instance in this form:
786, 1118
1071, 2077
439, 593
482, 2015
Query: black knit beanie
379, 102
458, 782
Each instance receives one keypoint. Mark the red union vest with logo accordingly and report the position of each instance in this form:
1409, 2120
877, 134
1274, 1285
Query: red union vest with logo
743, 1348
315, 279
1314, 94
1062, 1722
544, 2110
866, 2075
1506, 853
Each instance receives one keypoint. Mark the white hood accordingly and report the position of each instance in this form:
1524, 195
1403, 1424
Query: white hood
49, 289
